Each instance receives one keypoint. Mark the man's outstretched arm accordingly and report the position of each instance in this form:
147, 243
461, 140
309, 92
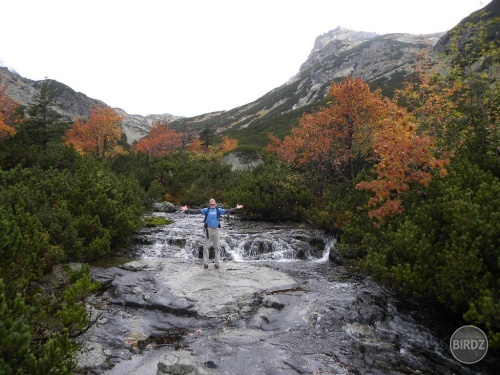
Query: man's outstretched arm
187, 210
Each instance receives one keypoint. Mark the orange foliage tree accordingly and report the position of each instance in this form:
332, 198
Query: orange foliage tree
403, 157
434, 101
213, 151
410, 145
360, 127
7, 110
196, 146
160, 141
330, 141
99, 135
227, 144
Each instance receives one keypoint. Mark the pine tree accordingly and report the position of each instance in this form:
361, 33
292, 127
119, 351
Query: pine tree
43, 124
207, 137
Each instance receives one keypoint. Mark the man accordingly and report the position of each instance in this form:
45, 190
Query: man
212, 224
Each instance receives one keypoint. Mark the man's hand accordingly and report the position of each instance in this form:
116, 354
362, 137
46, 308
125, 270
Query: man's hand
238, 206
184, 208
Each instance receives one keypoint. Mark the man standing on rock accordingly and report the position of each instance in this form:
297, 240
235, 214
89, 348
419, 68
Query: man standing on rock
212, 225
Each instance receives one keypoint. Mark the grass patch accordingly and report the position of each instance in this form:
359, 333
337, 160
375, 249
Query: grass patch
152, 221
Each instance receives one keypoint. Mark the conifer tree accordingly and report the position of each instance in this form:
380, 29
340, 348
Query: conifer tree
43, 124
207, 137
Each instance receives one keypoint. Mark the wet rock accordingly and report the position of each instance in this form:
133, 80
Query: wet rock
187, 289
91, 355
164, 207
157, 302
336, 256
268, 313
181, 363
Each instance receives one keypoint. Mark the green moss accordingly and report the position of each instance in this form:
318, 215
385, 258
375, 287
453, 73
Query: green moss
156, 221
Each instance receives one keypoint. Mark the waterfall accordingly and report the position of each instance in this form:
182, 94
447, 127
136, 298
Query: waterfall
240, 241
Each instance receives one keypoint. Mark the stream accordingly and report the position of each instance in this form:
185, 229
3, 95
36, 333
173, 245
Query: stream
277, 305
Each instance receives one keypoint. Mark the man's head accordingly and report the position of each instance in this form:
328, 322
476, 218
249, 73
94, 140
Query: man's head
212, 202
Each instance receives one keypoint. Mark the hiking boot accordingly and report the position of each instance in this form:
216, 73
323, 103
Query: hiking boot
216, 265
205, 265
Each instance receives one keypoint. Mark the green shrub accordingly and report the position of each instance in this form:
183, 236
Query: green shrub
85, 211
36, 333
271, 192
446, 247
25, 252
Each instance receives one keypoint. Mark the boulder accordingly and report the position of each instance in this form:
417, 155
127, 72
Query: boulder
164, 207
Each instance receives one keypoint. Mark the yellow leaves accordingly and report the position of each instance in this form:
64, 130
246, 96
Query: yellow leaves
227, 144
5, 130
7, 109
216, 151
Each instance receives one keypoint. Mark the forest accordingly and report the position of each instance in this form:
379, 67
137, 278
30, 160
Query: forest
409, 185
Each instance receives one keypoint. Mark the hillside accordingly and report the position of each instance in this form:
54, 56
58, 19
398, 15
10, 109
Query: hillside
383, 61
72, 104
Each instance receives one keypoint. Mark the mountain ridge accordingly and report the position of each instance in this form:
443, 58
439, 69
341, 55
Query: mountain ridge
326, 62
383, 61
308, 85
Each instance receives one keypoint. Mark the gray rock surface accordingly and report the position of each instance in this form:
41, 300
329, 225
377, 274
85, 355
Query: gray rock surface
275, 306
164, 207
240, 162
153, 301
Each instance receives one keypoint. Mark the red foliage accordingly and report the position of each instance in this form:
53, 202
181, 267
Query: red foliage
360, 125
330, 140
160, 141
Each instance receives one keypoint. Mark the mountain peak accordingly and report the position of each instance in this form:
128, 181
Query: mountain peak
334, 41
342, 34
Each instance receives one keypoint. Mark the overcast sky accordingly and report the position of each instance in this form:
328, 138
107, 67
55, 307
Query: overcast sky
190, 57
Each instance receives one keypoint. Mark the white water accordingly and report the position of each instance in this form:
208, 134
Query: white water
337, 320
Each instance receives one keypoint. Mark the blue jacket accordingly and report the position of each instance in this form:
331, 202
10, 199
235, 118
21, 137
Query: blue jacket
212, 219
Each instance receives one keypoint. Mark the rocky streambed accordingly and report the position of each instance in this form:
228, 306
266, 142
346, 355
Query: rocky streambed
276, 305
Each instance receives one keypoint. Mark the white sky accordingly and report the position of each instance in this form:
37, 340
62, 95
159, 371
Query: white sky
190, 57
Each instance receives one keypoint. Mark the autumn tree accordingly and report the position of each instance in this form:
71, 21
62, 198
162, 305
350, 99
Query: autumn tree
196, 146
160, 141
462, 101
99, 135
7, 111
227, 144
209, 145
431, 100
403, 157
336, 140
358, 129
444, 114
